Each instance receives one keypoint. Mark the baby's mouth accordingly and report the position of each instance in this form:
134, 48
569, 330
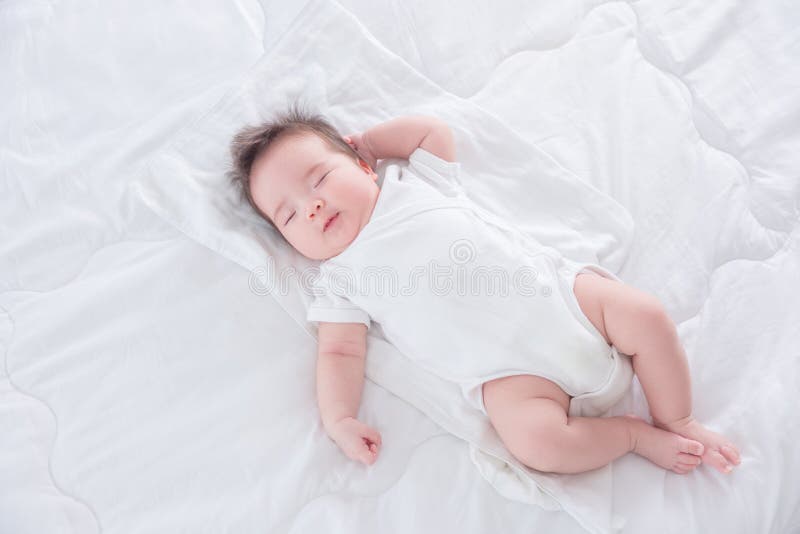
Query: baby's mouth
330, 221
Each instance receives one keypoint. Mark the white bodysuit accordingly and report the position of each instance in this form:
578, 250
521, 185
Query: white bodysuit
463, 294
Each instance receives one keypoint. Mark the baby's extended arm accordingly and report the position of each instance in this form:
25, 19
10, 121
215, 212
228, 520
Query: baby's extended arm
399, 137
340, 379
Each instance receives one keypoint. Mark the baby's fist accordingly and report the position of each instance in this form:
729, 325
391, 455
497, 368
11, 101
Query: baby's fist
358, 143
357, 440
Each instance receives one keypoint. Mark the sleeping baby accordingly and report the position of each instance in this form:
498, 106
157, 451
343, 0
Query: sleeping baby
527, 334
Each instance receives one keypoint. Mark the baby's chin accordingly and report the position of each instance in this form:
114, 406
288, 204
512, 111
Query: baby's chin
334, 245
327, 253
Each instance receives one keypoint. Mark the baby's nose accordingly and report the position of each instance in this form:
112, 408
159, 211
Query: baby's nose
314, 208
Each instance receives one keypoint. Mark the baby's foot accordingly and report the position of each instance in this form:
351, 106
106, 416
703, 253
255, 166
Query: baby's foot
665, 449
719, 452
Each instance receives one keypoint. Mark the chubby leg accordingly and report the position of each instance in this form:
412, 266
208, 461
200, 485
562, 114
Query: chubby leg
636, 323
530, 415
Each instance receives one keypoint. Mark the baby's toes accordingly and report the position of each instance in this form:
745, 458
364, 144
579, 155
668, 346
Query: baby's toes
684, 468
685, 463
715, 458
690, 446
731, 453
689, 459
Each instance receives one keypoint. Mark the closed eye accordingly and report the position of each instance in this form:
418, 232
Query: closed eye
323, 177
319, 182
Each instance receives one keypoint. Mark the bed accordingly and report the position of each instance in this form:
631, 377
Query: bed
148, 387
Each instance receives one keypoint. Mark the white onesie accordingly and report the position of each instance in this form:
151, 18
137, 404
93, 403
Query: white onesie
466, 296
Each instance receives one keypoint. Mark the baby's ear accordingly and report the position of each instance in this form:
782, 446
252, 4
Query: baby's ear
364, 165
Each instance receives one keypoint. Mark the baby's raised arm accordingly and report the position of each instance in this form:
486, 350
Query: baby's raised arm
340, 379
399, 137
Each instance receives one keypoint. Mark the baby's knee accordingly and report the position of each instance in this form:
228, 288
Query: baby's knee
543, 451
538, 441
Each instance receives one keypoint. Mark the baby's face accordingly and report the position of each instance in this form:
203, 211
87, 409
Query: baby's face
301, 183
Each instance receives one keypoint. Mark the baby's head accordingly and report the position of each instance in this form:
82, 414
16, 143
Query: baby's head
297, 172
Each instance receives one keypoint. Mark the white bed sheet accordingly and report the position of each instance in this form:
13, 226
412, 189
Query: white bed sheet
116, 325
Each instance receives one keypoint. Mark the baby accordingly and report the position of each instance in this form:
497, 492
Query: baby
520, 359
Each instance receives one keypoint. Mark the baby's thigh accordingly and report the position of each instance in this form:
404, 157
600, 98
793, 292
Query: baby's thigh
620, 312
527, 412
501, 396
591, 291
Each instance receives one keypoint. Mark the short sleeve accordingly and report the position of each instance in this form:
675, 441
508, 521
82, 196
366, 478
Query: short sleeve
444, 175
327, 307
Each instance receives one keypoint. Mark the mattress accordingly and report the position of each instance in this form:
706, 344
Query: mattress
147, 388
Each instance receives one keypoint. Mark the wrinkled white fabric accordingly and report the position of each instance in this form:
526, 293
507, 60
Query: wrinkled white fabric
149, 382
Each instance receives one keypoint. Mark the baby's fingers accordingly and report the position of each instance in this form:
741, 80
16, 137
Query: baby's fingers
360, 453
373, 453
373, 435
368, 454
371, 448
372, 441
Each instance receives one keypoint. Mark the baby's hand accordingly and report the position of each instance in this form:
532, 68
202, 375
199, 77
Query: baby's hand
356, 141
357, 440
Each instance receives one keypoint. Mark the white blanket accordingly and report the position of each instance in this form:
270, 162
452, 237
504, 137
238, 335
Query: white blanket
146, 387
